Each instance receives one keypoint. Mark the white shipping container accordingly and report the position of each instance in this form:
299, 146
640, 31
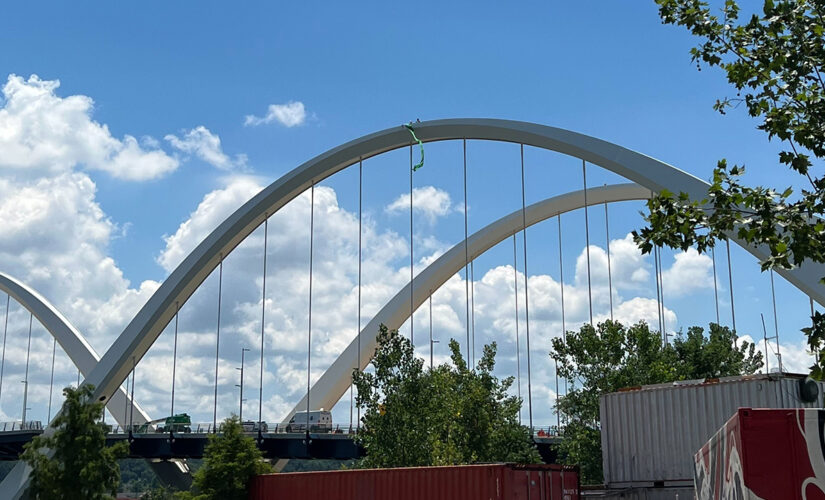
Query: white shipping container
650, 433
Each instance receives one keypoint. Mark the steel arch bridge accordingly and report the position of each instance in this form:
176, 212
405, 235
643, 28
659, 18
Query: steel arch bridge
649, 175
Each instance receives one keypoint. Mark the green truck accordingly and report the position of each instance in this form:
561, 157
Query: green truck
176, 423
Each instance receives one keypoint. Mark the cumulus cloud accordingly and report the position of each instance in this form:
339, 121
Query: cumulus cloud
43, 133
691, 271
206, 146
290, 114
428, 201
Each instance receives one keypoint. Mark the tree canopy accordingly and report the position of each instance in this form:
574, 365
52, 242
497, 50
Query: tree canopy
774, 61
80, 465
452, 414
609, 357
229, 462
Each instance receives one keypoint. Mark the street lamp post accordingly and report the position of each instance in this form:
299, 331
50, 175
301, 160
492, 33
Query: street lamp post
240, 402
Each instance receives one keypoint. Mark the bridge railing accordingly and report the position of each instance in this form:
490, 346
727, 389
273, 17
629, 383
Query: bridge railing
31, 425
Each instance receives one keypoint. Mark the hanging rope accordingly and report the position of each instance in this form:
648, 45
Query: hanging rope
466, 256
420, 164
587, 241
309, 316
518, 347
715, 287
51, 380
412, 311
263, 328
609, 272
174, 359
730, 281
526, 296
217, 346
5, 331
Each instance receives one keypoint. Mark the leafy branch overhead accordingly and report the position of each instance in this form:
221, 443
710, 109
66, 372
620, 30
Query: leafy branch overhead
774, 61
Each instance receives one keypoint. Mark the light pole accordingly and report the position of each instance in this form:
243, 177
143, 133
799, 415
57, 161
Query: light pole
240, 403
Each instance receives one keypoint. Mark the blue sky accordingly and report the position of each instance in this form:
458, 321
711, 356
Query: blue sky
155, 70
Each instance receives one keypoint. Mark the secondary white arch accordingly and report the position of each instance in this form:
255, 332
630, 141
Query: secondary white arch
336, 379
73, 343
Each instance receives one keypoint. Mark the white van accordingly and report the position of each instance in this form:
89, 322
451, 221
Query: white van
319, 421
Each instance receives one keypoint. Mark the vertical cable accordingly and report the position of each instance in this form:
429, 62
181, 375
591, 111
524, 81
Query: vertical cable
609, 271
126, 407
715, 286
26, 379
587, 242
658, 296
558, 416
263, 329
174, 358
412, 339
473, 310
662, 303
309, 318
5, 331
51, 380
132, 398
360, 197
526, 296
561, 290
775, 324
466, 256
518, 346
730, 282
217, 346
431, 330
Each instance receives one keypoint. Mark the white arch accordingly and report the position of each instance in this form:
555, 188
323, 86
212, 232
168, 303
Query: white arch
73, 343
150, 321
336, 379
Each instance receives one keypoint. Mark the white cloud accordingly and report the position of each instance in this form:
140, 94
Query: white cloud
290, 114
206, 146
428, 201
42, 133
690, 272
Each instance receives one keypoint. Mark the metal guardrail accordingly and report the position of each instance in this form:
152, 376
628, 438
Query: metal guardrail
31, 425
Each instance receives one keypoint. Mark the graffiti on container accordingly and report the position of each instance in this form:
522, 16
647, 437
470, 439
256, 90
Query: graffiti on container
764, 463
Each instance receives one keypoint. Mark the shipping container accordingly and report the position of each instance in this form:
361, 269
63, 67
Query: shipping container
650, 433
461, 482
764, 454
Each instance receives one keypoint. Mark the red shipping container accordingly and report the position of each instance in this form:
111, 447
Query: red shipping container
764, 455
462, 482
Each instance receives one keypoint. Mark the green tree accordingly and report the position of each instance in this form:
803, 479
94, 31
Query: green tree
74, 462
229, 462
609, 357
774, 61
449, 415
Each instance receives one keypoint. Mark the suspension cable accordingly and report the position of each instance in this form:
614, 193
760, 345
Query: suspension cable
51, 380
412, 276
561, 290
5, 331
217, 346
26, 379
309, 316
730, 281
431, 329
360, 197
518, 346
466, 256
132, 399
263, 328
174, 358
662, 287
526, 296
658, 296
715, 287
473, 310
587, 242
775, 325
609, 271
